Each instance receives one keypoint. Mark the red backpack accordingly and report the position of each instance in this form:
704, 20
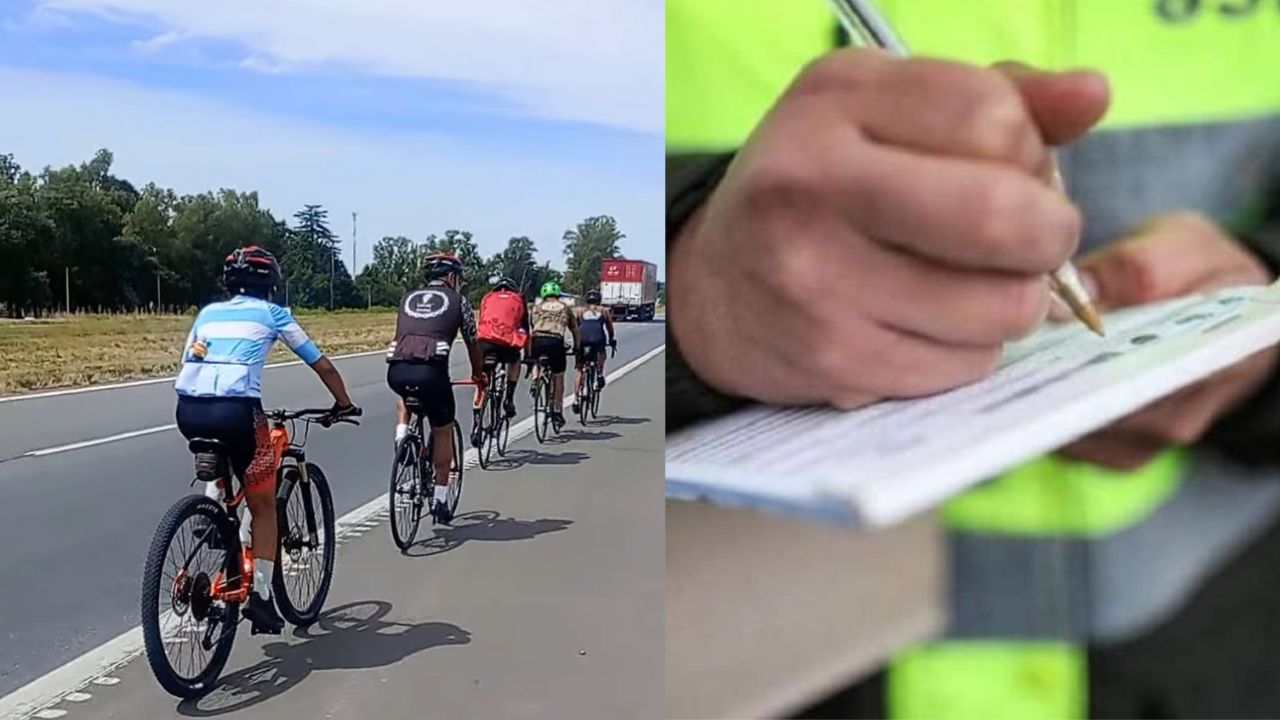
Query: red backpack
500, 314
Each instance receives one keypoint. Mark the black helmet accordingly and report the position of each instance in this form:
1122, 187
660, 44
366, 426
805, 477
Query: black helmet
438, 265
593, 297
251, 270
506, 283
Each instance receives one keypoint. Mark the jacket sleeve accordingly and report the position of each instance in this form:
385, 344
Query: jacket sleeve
1251, 433
690, 181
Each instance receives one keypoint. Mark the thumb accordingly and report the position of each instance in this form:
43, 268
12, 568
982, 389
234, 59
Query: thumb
1064, 104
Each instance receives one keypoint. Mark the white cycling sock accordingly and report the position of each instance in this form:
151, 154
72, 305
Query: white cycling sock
262, 570
442, 493
401, 431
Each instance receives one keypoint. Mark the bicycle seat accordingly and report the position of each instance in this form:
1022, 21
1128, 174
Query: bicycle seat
412, 402
207, 445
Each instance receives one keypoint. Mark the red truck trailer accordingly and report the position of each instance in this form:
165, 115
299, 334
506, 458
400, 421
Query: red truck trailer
629, 288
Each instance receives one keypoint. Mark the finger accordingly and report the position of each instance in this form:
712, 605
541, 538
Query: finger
1167, 258
1064, 105
959, 212
1113, 450
948, 108
906, 365
953, 306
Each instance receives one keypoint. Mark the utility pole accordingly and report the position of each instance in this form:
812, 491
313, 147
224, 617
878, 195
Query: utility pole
333, 254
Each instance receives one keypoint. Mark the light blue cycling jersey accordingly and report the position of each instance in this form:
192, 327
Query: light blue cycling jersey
238, 335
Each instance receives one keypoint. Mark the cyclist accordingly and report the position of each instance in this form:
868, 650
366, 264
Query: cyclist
503, 332
220, 398
428, 321
594, 322
549, 319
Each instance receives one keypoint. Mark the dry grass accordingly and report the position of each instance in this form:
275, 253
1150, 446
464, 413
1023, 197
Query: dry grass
83, 350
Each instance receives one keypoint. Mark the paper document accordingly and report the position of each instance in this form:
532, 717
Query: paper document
883, 463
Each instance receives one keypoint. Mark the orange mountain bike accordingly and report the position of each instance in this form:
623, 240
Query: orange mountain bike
199, 569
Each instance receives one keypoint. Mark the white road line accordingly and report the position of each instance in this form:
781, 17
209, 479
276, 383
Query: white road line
153, 381
98, 441
79, 673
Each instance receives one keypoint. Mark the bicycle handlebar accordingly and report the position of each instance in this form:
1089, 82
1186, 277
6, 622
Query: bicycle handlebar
311, 415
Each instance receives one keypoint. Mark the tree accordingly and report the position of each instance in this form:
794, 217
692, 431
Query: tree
476, 272
316, 275
586, 247
393, 270
518, 261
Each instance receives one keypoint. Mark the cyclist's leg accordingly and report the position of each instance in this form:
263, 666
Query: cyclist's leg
513, 377
601, 355
396, 379
559, 362
259, 477
437, 397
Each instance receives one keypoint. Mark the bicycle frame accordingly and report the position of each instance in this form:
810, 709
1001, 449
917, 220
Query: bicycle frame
289, 455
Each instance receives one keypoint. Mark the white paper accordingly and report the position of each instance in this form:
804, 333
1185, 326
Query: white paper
882, 463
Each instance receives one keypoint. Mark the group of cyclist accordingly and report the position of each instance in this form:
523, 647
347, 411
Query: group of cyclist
219, 387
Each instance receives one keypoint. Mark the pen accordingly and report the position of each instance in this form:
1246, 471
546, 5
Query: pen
870, 29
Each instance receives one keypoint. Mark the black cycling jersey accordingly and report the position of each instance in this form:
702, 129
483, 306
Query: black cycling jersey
428, 321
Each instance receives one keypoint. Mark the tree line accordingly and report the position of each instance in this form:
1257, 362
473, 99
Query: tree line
80, 238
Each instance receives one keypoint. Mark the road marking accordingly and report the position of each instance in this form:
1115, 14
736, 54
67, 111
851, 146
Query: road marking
99, 441
94, 666
153, 381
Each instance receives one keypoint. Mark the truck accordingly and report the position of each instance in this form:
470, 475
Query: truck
629, 288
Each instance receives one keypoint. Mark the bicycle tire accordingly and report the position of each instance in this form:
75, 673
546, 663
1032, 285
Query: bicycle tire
481, 419
316, 489
404, 527
455, 481
152, 579
595, 397
494, 425
550, 403
586, 394
504, 435
541, 409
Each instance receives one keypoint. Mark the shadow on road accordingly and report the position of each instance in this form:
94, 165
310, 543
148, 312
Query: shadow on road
523, 456
582, 434
483, 526
619, 420
349, 637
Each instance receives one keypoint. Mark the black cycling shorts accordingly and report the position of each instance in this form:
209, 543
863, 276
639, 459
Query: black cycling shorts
239, 424
552, 347
495, 353
427, 383
590, 350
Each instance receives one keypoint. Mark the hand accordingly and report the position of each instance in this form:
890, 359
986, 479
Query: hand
480, 379
339, 412
1173, 255
883, 231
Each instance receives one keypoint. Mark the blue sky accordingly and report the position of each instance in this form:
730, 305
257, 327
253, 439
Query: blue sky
504, 118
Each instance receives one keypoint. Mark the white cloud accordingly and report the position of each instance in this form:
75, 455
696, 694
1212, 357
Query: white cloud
409, 184
594, 60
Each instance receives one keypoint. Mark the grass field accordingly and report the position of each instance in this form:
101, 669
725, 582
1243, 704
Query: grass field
82, 350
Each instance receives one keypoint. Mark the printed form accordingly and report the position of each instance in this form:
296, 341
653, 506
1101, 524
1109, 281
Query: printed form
880, 464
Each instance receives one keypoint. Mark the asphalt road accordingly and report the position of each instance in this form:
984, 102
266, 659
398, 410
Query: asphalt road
75, 526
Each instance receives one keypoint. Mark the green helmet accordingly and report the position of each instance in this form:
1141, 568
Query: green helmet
549, 288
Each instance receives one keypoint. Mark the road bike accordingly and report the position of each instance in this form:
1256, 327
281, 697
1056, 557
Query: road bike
542, 388
589, 394
195, 581
413, 475
492, 424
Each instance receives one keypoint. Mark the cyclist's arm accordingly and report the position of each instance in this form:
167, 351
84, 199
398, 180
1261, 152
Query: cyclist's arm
573, 327
469, 333
608, 323
297, 340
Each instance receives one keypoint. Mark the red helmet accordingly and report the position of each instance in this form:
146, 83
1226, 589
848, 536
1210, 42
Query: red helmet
438, 265
251, 269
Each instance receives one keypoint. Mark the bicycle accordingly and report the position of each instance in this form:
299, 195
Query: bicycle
203, 602
413, 476
542, 388
492, 422
589, 396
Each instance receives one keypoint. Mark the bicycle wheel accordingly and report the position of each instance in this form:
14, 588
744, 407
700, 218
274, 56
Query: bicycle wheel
596, 392
187, 632
493, 425
550, 402
588, 392
455, 477
541, 408
481, 418
406, 495
503, 434
304, 557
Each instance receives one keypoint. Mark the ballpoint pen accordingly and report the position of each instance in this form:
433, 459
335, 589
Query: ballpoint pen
866, 26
